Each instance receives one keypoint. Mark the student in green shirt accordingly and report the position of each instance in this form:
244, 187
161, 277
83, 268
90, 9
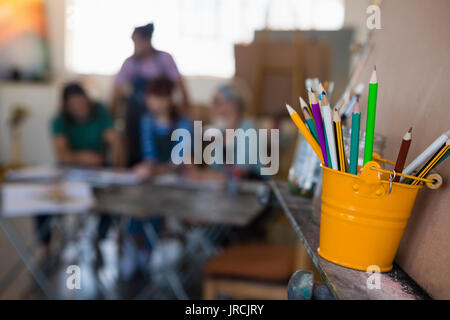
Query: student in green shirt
83, 130
82, 133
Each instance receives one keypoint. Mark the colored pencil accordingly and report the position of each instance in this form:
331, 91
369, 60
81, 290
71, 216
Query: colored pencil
321, 91
421, 158
328, 125
339, 141
343, 101
303, 104
443, 158
305, 132
325, 86
330, 88
349, 108
310, 124
327, 145
354, 144
432, 162
319, 94
371, 112
402, 154
319, 125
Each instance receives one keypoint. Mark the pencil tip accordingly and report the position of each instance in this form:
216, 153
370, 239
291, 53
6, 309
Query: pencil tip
357, 107
302, 102
373, 78
410, 130
306, 114
321, 88
375, 67
290, 110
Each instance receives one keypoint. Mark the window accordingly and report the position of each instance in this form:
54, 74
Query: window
200, 34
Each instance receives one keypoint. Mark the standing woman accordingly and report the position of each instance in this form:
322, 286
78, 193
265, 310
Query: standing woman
134, 77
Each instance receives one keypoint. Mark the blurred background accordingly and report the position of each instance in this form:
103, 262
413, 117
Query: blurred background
46, 43
271, 49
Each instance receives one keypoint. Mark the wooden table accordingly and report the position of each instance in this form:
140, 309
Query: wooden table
192, 205
209, 209
343, 282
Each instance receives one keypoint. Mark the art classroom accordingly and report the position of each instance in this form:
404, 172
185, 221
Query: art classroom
224, 150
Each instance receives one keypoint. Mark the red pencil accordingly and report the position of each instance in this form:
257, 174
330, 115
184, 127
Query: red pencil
402, 154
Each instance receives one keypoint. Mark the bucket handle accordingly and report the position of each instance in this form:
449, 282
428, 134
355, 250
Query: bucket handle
433, 183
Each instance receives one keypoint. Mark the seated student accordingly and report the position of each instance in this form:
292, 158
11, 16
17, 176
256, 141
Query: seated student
228, 113
156, 127
82, 131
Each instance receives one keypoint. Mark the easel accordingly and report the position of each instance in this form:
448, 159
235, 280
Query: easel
262, 68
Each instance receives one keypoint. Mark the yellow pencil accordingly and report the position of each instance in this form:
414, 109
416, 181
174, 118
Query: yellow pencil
339, 141
305, 132
432, 162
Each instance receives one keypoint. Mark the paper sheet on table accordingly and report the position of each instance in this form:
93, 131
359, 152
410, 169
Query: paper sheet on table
103, 177
174, 180
19, 199
34, 173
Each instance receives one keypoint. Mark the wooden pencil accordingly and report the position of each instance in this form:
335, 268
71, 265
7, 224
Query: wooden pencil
325, 85
305, 132
443, 158
354, 144
430, 150
402, 154
328, 125
319, 125
303, 105
310, 124
321, 91
432, 162
339, 141
371, 113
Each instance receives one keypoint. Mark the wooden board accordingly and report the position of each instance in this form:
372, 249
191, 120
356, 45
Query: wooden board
411, 52
344, 283
279, 62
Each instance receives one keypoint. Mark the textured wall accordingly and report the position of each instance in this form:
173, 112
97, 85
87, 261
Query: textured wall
411, 52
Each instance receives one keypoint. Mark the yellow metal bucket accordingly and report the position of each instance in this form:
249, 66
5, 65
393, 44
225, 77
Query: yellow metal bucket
363, 219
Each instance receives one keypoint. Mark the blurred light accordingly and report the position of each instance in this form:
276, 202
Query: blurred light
200, 34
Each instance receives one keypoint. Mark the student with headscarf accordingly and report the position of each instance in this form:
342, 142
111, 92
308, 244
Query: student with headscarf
228, 112
134, 77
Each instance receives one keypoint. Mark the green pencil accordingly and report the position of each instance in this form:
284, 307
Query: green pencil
371, 112
310, 124
354, 145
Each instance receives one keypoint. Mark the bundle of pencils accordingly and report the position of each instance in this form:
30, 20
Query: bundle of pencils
323, 131
436, 153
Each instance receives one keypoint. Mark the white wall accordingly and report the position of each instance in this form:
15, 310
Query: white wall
41, 101
356, 17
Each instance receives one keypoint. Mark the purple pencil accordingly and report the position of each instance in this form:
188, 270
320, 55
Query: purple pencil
319, 125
